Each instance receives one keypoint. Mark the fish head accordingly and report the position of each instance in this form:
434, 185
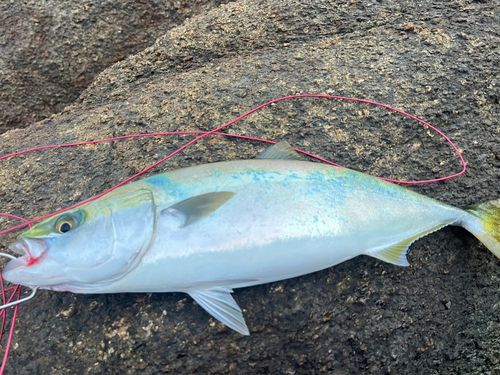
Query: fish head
85, 247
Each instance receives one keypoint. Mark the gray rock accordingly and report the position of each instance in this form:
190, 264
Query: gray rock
51, 50
436, 60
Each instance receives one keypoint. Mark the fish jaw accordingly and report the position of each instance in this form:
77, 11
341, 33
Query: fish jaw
32, 250
25, 269
18, 248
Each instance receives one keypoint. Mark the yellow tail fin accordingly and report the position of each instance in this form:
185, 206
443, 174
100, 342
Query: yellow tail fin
486, 226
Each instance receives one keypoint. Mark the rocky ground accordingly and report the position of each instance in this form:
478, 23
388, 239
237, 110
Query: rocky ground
50, 50
436, 60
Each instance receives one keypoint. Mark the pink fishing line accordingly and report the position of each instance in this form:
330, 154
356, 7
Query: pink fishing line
202, 135
216, 132
16, 290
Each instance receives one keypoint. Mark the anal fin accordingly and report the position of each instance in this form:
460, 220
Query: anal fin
219, 303
396, 254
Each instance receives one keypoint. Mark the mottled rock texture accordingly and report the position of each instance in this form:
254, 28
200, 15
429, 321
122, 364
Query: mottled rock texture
50, 50
435, 59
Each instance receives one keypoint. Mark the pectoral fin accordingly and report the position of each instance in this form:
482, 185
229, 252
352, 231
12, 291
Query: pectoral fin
198, 207
219, 303
396, 254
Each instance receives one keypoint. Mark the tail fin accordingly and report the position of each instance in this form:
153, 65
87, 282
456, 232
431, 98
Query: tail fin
486, 224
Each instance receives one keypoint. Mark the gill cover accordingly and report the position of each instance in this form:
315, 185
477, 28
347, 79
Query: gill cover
131, 226
114, 234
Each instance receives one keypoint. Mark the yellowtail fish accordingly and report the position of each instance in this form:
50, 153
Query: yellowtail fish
208, 229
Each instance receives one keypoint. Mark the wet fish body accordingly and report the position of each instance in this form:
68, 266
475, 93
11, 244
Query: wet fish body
208, 229
286, 218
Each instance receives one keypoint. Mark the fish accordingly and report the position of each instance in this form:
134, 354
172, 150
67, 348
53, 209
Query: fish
209, 229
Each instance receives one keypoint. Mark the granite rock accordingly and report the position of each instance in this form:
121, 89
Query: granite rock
51, 50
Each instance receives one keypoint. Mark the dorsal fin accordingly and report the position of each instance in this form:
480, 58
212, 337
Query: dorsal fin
281, 150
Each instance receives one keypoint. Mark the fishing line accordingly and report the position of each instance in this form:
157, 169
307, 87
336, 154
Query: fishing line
216, 132
17, 290
9, 302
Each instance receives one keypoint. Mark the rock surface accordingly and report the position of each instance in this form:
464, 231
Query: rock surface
436, 60
51, 50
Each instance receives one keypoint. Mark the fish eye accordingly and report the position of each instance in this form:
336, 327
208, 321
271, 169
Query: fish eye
65, 227
65, 224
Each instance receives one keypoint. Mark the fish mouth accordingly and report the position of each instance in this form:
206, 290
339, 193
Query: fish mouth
32, 250
19, 247
30, 269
